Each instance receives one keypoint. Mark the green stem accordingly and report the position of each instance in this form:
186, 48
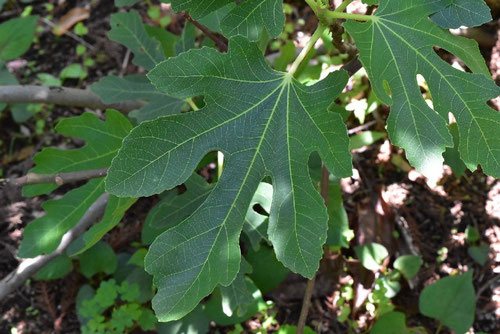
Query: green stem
439, 328
192, 104
357, 17
314, 5
343, 6
308, 48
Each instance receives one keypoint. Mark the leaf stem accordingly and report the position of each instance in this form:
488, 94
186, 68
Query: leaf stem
307, 49
314, 5
192, 104
358, 17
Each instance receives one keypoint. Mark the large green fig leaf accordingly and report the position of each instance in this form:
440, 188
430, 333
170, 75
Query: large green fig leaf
249, 18
395, 47
266, 124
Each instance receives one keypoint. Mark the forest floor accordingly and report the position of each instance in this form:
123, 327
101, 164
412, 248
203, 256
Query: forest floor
386, 195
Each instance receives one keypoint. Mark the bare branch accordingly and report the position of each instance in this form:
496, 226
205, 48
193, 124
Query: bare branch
306, 302
70, 97
29, 267
353, 66
59, 178
220, 41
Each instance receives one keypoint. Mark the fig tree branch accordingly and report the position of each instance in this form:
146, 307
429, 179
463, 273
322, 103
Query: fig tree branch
27, 268
59, 178
70, 97
220, 41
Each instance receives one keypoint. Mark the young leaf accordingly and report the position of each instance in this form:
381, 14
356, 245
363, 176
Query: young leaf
16, 36
452, 301
267, 124
402, 32
128, 29
408, 265
469, 13
371, 255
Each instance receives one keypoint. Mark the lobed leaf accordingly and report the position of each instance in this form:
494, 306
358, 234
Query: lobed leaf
402, 32
102, 140
266, 124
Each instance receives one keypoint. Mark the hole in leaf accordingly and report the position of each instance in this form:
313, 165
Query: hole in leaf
207, 167
260, 210
425, 91
452, 59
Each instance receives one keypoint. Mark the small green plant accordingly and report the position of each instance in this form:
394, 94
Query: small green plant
115, 308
